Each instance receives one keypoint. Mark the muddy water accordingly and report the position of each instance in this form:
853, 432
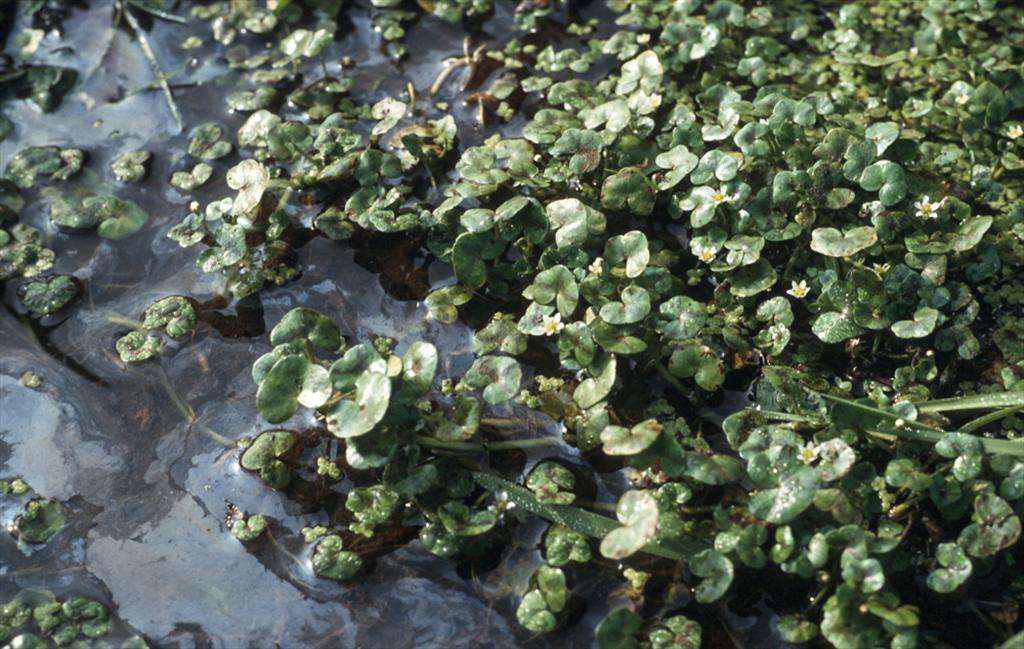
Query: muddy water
134, 452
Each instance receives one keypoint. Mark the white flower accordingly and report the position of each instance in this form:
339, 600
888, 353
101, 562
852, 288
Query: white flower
962, 99
880, 269
705, 253
501, 504
799, 290
552, 324
878, 484
720, 197
808, 453
1015, 132
596, 266
927, 209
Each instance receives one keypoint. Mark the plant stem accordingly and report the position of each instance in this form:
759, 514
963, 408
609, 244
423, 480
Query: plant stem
480, 447
673, 381
189, 414
147, 52
973, 402
991, 417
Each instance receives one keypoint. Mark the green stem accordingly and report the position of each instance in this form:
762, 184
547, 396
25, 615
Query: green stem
150, 56
878, 412
480, 447
189, 414
581, 520
673, 381
973, 402
991, 417
991, 446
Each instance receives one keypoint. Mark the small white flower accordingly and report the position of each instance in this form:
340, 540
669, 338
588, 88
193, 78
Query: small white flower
962, 99
799, 290
552, 324
878, 484
654, 101
501, 504
193, 206
808, 453
705, 253
914, 51
1015, 131
596, 266
880, 269
899, 423
720, 197
927, 209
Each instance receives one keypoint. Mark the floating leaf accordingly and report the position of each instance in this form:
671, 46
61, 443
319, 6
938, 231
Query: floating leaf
923, 324
249, 178
358, 417
174, 314
833, 243
498, 376
136, 346
41, 519
637, 511
330, 561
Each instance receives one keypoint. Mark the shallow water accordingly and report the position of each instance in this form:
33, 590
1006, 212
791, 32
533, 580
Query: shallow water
129, 450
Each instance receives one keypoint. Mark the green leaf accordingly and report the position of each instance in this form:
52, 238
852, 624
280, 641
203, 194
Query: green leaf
278, 394
250, 179
956, 568
923, 324
130, 166
835, 327
573, 221
593, 390
498, 376
306, 324
330, 561
419, 364
618, 630
618, 440
207, 142
635, 305
717, 571
794, 494
714, 164
882, 135
264, 456
638, 512
552, 483
136, 346
556, 284
833, 243
249, 529
41, 519
887, 179
359, 416
629, 248
45, 296
628, 190
678, 163
174, 314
